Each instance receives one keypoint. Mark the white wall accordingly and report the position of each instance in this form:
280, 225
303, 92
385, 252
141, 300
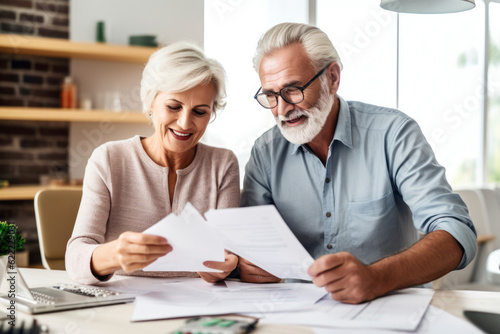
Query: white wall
169, 20
231, 35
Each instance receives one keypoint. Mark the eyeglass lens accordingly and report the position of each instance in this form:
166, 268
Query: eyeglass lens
289, 94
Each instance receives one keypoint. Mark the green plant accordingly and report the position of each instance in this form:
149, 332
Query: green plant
10, 238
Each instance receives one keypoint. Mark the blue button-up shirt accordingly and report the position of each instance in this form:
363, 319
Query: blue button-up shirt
381, 183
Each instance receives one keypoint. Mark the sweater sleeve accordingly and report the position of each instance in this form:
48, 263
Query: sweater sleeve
228, 195
91, 222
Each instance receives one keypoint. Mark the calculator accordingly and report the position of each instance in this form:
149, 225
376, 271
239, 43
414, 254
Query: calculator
216, 325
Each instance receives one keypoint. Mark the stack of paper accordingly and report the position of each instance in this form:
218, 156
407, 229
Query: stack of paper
283, 303
185, 300
401, 310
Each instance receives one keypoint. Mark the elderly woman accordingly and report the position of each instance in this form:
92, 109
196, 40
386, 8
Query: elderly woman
131, 184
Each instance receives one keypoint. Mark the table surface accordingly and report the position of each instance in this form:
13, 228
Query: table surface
114, 318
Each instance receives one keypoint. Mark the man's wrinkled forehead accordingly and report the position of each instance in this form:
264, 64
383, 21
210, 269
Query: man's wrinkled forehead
285, 67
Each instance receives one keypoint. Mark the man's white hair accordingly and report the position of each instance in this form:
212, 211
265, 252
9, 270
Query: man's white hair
316, 43
179, 67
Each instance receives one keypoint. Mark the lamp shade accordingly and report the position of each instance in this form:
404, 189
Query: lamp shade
427, 6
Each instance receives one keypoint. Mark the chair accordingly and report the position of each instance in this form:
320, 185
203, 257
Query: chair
473, 276
493, 267
492, 205
55, 212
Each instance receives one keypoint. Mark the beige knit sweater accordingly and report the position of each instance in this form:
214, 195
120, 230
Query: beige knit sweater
125, 190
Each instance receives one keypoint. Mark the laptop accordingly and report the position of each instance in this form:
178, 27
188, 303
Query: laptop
58, 297
488, 322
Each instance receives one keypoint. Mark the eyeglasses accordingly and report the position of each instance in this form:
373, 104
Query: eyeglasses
291, 94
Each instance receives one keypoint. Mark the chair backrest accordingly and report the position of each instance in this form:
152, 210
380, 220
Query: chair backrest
492, 205
493, 267
497, 191
55, 212
478, 214
477, 201
477, 209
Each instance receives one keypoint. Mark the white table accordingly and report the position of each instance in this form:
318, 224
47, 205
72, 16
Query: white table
116, 318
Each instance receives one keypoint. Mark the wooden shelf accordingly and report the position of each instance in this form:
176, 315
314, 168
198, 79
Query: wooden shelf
26, 192
70, 115
54, 47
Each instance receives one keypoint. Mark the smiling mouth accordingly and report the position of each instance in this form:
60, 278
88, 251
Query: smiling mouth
180, 135
294, 121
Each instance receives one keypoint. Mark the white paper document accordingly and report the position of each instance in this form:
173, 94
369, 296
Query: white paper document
435, 321
258, 234
261, 236
400, 310
184, 300
192, 240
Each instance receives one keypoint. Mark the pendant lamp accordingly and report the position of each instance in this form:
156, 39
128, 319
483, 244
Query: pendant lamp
427, 6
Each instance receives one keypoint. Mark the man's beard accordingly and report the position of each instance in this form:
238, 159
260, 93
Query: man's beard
315, 119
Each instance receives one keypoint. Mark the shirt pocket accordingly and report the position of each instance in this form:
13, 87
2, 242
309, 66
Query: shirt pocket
373, 224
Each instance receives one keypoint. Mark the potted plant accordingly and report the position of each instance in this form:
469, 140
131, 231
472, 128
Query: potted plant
11, 242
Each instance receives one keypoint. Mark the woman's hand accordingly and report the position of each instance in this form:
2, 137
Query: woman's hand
131, 251
137, 250
230, 263
250, 273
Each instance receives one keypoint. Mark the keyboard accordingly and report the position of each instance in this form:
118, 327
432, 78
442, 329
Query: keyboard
89, 291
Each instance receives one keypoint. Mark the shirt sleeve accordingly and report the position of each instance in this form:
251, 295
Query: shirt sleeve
91, 221
228, 195
422, 183
256, 184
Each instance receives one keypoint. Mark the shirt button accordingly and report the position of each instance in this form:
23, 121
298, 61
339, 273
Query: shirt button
328, 214
327, 180
329, 246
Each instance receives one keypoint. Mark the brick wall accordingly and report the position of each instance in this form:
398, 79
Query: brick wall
31, 81
30, 149
45, 18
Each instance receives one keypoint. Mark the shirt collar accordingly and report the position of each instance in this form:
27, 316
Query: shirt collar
343, 131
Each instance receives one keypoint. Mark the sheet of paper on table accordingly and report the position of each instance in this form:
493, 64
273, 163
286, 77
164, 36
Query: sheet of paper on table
258, 234
285, 303
401, 310
185, 300
435, 321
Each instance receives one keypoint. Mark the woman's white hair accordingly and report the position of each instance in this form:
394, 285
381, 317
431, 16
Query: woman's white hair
179, 67
316, 43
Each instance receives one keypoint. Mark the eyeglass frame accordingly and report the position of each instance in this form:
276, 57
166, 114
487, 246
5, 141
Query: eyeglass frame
301, 88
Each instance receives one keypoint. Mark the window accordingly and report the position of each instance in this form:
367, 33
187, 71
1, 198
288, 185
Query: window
437, 79
493, 140
365, 36
441, 85
232, 29
428, 66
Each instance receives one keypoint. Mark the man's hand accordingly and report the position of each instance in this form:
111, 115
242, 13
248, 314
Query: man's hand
230, 263
345, 278
249, 272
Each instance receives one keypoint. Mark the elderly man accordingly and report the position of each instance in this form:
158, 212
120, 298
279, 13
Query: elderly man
353, 181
